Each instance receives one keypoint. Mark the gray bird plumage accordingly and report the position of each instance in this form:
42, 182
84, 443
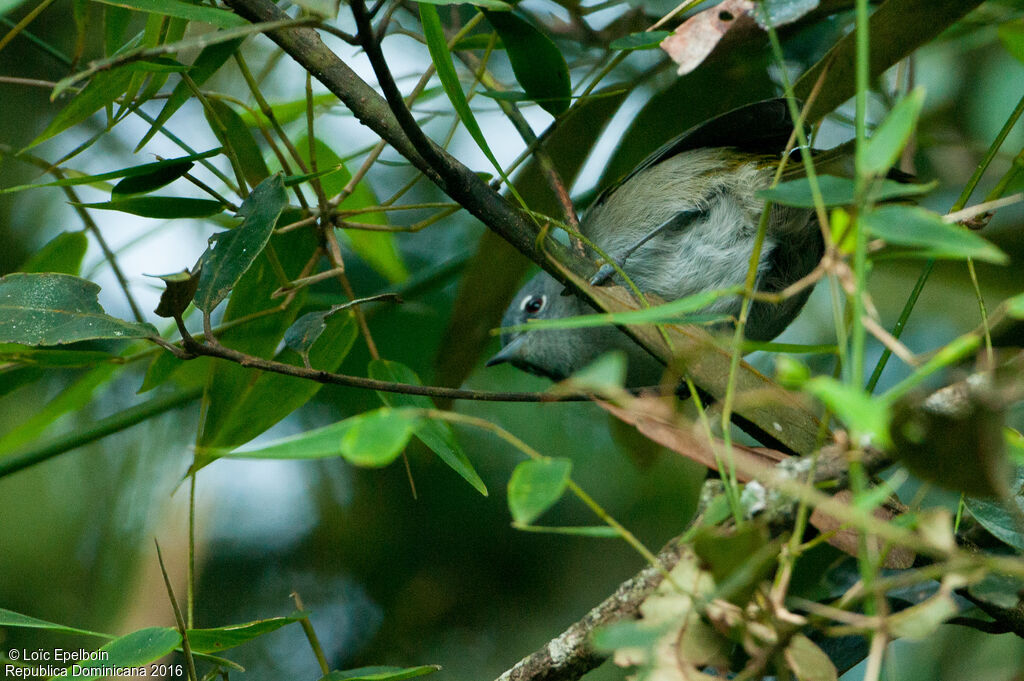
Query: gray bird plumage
705, 198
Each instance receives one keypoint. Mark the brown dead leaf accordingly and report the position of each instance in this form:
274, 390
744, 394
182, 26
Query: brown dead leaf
653, 417
697, 37
847, 539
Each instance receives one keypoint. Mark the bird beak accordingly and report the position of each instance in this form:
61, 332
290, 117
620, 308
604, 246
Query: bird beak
507, 353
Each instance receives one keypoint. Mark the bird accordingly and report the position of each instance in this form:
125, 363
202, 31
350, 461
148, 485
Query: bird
682, 222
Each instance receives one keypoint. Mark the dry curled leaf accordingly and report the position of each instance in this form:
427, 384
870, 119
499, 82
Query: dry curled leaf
697, 37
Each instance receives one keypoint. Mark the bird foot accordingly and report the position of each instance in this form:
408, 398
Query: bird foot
603, 275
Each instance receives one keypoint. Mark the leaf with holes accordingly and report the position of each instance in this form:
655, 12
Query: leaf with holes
232, 252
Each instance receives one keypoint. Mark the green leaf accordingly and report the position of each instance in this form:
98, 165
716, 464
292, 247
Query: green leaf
1011, 34
380, 673
135, 649
9, 618
538, 65
156, 65
643, 40
262, 402
62, 254
1015, 306
222, 638
378, 249
101, 91
53, 309
134, 171
154, 179
319, 443
183, 10
627, 634
865, 415
437, 44
838, 191
23, 354
232, 132
489, 4
434, 433
231, 253
740, 559
887, 142
286, 112
593, 531
808, 662
376, 438
206, 64
928, 234
252, 299
1002, 519
535, 486
162, 207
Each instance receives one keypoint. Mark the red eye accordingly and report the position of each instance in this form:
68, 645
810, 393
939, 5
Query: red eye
533, 305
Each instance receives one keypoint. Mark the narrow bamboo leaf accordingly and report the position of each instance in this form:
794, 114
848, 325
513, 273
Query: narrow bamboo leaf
183, 10
115, 21
999, 520
134, 171
889, 138
286, 112
261, 335
52, 309
535, 486
497, 5
270, 397
234, 135
206, 64
924, 230
133, 650
156, 65
437, 44
478, 41
378, 249
380, 673
320, 443
434, 433
62, 254
101, 91
838, 191
222, 638
48, 357
155, 179
539, 67
506, 95
9, 618
162, 207
594, 531
376, 438
231, 253
644, 40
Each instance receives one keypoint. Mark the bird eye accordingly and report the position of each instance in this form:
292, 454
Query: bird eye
534, 304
